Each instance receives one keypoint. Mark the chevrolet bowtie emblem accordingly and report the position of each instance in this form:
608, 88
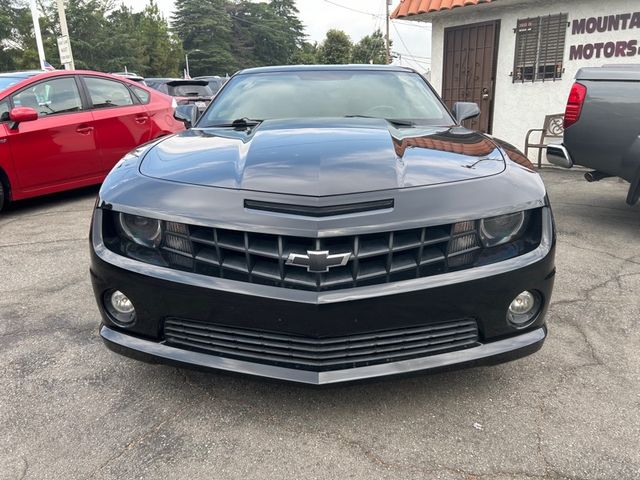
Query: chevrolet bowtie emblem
319, 261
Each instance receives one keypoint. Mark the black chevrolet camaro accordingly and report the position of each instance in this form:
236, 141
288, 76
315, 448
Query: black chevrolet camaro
324, 225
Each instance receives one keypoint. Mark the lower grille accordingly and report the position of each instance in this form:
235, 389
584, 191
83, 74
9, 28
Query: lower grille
321, 354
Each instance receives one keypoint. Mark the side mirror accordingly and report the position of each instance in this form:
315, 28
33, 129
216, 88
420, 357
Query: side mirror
187, 114
21, 114
465, 110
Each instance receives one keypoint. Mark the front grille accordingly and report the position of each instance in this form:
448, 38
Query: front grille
372, 258
321, 354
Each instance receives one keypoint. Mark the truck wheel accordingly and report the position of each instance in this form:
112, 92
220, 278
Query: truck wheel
634, 190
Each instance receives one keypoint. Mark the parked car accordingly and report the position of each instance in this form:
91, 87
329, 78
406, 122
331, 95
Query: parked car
215, 82
66, 129
602, 129
321, 225
185, 91
134, 77
11, 78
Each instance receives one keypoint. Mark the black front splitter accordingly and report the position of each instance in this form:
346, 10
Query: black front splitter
492, 353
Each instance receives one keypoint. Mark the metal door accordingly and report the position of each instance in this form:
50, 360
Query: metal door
469, 71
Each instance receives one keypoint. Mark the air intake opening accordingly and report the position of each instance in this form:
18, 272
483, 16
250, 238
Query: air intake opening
324, 211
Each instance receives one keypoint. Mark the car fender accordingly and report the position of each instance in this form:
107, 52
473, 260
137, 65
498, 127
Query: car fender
7, 171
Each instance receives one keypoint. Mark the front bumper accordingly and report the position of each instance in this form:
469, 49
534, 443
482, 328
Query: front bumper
482, 294
487, 354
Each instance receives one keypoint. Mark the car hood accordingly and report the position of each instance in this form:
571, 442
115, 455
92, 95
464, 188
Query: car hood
323, 157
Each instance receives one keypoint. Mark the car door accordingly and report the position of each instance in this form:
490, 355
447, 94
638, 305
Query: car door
122, 123
59, 146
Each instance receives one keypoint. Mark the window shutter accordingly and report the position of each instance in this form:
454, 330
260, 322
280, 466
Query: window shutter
553, 32
526, 48
540, 44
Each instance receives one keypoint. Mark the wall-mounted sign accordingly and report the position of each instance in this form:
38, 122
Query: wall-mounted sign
608, 24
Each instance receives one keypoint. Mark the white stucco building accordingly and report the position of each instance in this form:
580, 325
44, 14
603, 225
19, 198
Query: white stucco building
517, 58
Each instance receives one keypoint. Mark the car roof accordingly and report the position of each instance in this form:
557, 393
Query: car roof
21, 74
328, 68
37, 75
128, 76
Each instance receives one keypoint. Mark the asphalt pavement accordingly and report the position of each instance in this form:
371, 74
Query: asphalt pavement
71, 409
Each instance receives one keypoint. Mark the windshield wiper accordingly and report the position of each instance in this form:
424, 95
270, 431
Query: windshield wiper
393, 121
240, 123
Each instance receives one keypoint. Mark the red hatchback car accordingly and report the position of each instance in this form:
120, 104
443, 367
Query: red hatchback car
66, 129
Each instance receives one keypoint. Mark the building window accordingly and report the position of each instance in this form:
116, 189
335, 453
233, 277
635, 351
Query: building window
539, 52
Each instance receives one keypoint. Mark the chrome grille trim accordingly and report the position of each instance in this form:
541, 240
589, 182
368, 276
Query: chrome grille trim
262, 258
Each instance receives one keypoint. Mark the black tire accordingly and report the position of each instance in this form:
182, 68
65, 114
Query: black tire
3, 195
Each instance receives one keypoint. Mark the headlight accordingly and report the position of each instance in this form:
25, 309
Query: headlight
141, 230
496, 231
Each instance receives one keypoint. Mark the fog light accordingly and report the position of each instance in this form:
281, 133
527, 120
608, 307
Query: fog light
121, 303
524, 308
120, 307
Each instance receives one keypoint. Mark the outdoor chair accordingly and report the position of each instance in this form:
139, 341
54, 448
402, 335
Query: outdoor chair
553, 128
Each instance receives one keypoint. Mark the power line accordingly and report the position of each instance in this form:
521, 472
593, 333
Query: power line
424, 26
354, 10
377, 25
401, 39
409, 54
415, 56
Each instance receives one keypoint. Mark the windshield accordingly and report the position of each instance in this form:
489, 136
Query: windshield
327, 93
190, 91
6, 82
216, 85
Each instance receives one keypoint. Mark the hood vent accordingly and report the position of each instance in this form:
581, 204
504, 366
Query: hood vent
324, 211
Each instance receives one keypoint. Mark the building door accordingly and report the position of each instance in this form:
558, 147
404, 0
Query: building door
469, 69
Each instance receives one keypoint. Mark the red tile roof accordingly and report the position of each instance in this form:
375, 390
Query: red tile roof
408, 8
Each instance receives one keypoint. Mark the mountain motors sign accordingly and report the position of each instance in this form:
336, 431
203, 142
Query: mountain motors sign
605, 24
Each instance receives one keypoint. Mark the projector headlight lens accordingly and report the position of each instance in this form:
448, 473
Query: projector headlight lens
496, 231
141, 230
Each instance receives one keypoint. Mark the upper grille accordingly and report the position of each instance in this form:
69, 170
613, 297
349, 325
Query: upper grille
375, 258
325, 353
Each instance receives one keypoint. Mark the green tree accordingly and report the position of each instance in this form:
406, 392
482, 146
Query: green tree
204, 27
371, 49
17, 41
162, 51
88, 31
306, 54
293, 28
265, 33
336, 48
220, 36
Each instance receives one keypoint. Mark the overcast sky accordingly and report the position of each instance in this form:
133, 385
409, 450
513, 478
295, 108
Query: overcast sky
357, 18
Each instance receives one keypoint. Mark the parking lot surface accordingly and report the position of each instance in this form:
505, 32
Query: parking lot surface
71, 409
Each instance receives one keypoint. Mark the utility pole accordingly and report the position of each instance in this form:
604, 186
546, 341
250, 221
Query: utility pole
36, 28
388, 42
63, 42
